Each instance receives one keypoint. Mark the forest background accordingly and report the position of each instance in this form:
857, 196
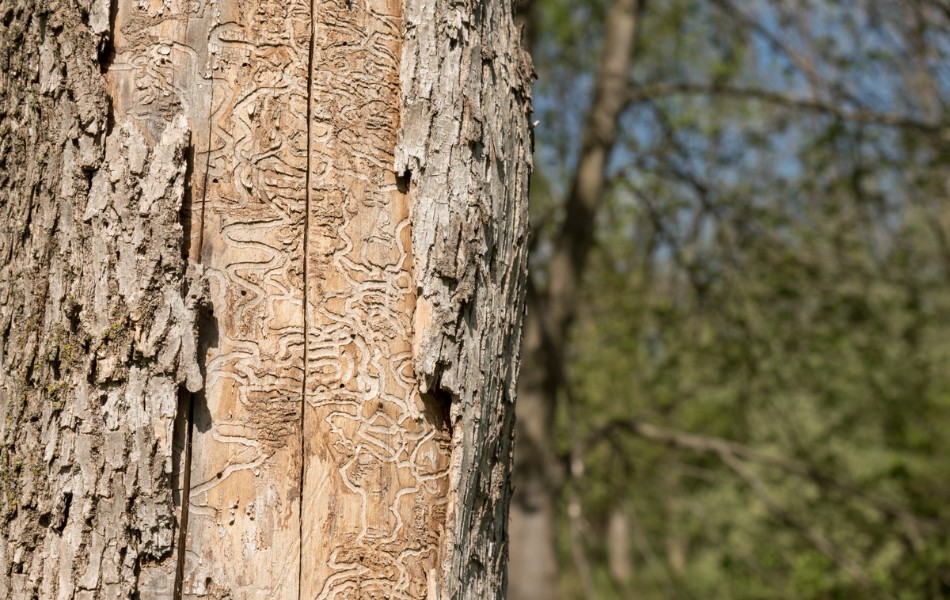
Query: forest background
736, 372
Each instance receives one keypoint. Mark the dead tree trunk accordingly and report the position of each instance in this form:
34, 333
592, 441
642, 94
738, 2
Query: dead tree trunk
262, 287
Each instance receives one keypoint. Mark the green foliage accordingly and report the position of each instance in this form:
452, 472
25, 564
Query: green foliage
772, 274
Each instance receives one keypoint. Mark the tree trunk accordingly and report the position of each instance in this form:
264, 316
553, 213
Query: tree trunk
264, 269
538, 472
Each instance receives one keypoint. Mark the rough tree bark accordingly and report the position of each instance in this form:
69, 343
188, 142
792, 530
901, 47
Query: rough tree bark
538, 470
262, 287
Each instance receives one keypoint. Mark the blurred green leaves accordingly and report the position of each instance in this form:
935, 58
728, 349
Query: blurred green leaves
769, 275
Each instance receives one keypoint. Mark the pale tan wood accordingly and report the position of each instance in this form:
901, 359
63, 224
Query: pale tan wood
244, 521
376, 454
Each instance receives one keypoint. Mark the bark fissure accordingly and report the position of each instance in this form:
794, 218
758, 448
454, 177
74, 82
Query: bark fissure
186, 492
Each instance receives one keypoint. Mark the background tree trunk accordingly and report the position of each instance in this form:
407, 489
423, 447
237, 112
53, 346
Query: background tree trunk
538, 470
264, 270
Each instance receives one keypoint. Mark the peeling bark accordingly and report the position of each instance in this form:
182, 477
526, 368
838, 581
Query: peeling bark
464, 143
98, 311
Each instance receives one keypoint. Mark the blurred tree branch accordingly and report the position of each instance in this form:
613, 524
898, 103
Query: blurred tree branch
812, 534
704, 444
549, 313
656, 91
761, 274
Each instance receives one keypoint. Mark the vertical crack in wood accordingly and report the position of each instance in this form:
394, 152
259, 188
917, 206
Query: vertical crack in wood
189, 435
185, 493
306, 332
204, 179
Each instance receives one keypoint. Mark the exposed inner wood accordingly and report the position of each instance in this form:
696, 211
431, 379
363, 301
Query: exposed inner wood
310, 393
376, 456
244, 516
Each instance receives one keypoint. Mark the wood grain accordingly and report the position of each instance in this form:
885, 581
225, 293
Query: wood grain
239, 71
